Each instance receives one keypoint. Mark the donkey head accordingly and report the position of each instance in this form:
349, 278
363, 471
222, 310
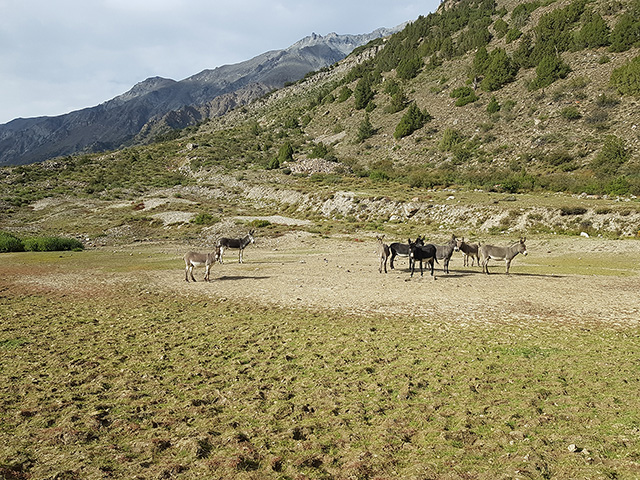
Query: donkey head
459, 242
251, 232
522, 248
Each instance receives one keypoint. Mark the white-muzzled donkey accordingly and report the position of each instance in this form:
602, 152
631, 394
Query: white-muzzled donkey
239, 243
488, 252
195, 259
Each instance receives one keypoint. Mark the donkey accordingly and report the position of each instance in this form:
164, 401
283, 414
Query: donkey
383, 252
402, 250
195, 259
507, 254
444, 252
421, 253
239, 243
469, 250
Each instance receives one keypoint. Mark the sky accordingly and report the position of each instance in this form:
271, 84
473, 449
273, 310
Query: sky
65, 55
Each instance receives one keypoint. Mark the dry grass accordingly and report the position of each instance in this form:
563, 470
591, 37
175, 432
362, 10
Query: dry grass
125, 381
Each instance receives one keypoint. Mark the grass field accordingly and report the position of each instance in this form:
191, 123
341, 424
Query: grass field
126, 381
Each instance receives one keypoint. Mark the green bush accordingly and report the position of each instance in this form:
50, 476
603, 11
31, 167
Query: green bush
501, 27
493, 106
570, 113
593, 34
259, 223
625, 34
611, 157
500, 69
51, 244
465, 95
450, 140
204, 218
344, 94
414, 119
550, 69
363, 93
513, 35
10, 243
567, 211
409, 68
626, 78
365, 130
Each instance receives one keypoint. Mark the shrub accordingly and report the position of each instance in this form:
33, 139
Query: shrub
550, 69
501, 27
363, 94
259, 223
626, 79
625, 34
493, 106
365, 130
572, 211
344, 94
464, 95
611, 157
408, 69
10, 243
319, 150
414, 119
499, 71
570, 113
450, 140
51, 244
513, 35
593, 34
204, 218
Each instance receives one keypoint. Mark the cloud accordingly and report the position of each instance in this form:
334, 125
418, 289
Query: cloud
70, 54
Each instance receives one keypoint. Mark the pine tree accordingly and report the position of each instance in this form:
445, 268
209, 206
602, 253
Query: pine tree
365, 130
413, 119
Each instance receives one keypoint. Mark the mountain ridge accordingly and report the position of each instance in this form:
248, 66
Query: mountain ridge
118, 121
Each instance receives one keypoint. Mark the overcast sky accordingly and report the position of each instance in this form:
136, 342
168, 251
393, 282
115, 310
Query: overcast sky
57, 56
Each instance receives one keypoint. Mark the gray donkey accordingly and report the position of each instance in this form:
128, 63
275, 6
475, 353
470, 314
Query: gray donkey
488, 252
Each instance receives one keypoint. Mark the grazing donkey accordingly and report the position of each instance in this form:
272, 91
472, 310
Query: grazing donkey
402, 250
469, 250
444, 252
383, 252
421, 253
507, 254
239, 243
195, 259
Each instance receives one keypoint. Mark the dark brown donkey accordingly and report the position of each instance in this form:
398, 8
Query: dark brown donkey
239, 243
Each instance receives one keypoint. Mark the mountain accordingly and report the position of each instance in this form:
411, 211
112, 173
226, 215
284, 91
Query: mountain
158, 103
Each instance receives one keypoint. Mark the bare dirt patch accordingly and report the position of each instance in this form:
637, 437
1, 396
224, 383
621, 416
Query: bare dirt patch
340, 274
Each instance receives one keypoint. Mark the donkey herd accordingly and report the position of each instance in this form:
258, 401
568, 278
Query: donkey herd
416, 251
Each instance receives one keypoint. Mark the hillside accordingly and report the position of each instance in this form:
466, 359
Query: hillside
377, 142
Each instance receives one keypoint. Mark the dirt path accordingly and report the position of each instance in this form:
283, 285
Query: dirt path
342, 275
